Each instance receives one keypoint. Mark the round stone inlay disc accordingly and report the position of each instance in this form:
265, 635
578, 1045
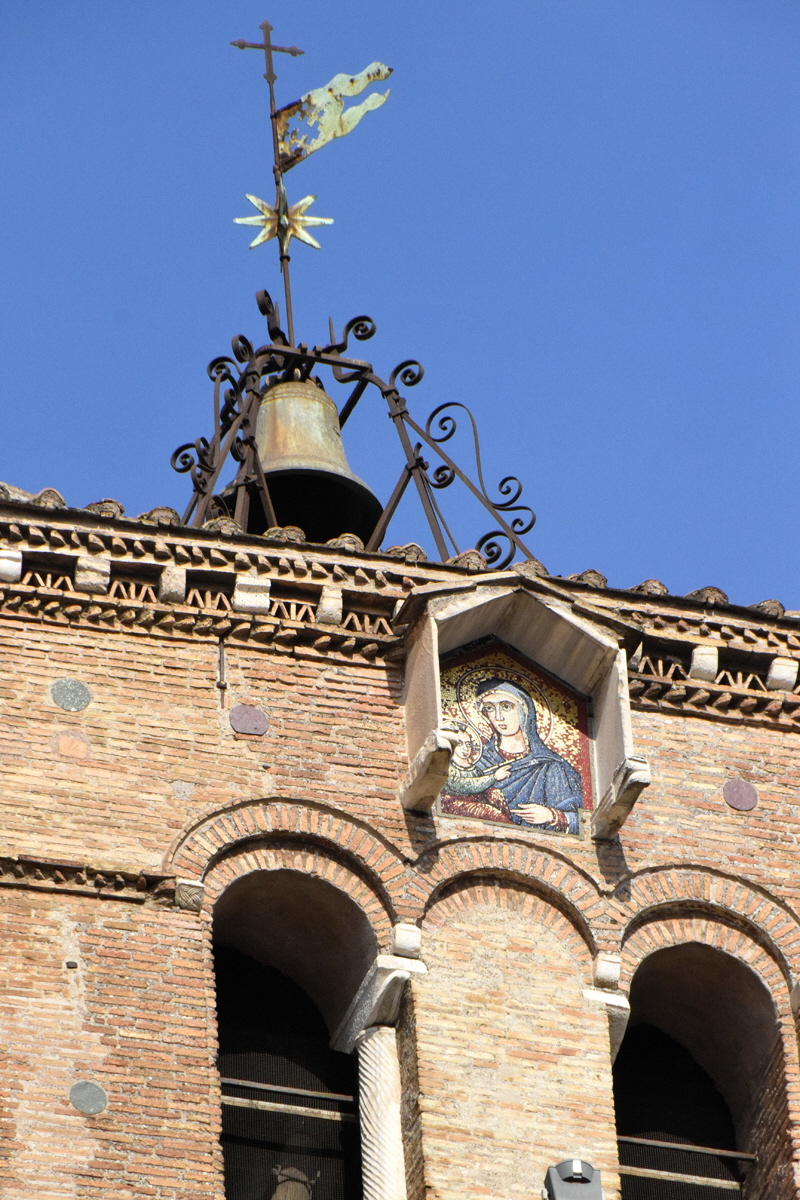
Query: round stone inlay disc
88, 1098
70, 694
740, 794
246, 718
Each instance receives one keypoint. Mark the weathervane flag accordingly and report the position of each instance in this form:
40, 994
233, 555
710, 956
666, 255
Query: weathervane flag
324, 109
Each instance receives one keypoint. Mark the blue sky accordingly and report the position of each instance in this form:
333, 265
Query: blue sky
582, 217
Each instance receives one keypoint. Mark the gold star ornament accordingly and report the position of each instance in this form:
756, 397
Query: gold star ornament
284, 221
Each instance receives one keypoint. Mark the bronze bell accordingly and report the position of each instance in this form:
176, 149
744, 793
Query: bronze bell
299, 443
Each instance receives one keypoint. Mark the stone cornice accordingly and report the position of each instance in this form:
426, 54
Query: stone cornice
78, 879
73, 532
79, 568
660, 681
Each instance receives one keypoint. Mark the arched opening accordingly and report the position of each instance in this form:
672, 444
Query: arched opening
290, 951
701, 1066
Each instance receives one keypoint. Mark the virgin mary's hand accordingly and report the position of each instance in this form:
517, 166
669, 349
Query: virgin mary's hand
535, 814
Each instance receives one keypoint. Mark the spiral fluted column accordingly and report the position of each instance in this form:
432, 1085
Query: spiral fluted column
382, 1159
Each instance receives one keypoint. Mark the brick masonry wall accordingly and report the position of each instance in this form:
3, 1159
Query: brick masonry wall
407, 1039
683, 817
135, 1017
151, 777
772, 1177
513, 1062
155, 746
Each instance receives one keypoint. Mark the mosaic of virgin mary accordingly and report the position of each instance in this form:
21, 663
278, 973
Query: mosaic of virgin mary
505, 767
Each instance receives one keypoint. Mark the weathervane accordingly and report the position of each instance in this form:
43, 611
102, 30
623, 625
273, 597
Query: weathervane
324, 108
273, 416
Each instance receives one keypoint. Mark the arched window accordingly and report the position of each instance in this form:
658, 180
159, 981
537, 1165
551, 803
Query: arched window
278, 1077
699, 1082
289, 952
663, 1098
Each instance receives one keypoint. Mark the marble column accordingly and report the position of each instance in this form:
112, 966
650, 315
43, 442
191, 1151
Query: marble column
382, 1157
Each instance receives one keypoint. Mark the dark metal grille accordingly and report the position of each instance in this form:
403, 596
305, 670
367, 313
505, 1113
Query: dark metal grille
289, 1108
661, 1170
675, 1132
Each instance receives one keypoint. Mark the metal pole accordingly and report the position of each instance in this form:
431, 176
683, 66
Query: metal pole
280, 193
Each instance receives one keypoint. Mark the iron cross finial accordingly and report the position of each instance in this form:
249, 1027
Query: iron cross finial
298, 130
268, 49
282, 227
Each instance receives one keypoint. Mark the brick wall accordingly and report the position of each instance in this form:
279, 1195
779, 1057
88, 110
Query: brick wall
136, 1017
409, 1081
512, 1059
102, 782
772, 1177
514, 1065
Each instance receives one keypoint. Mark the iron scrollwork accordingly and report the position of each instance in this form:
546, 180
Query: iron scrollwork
239, 385
498, 546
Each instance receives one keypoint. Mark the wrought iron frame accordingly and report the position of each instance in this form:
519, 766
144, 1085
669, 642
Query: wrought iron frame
238, 392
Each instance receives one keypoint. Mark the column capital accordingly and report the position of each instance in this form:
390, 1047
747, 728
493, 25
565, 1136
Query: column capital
377, 1001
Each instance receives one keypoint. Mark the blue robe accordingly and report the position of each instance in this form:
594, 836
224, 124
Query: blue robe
541, 776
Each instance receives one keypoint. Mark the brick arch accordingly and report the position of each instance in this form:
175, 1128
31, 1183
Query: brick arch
779, 1073
557, 881
308, 859
274, 821
665, 931
685, 891
470, 892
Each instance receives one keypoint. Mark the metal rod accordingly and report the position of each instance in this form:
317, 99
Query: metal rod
280, 195
397, 414
211, 482
634, 1141
268, 1106
675, 1177
222, 682
287, 292
355, 396
241, 44
487, 504
389, 511
274, 1087
439, 514
190, 508
266, 498
241, 510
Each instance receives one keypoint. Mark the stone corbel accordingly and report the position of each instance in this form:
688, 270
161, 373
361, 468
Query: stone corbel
251, 594
92, 575
189, 894
10, 566
427, 773
377, 1001
172, 585
605, 994
631, 777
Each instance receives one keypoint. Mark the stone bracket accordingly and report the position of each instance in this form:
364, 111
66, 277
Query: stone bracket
189, 894
172, 585
427, 773
330, 606
10, 566
631, 777
251, 594
782, 674
618, 1011
377, 1001
92, 575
